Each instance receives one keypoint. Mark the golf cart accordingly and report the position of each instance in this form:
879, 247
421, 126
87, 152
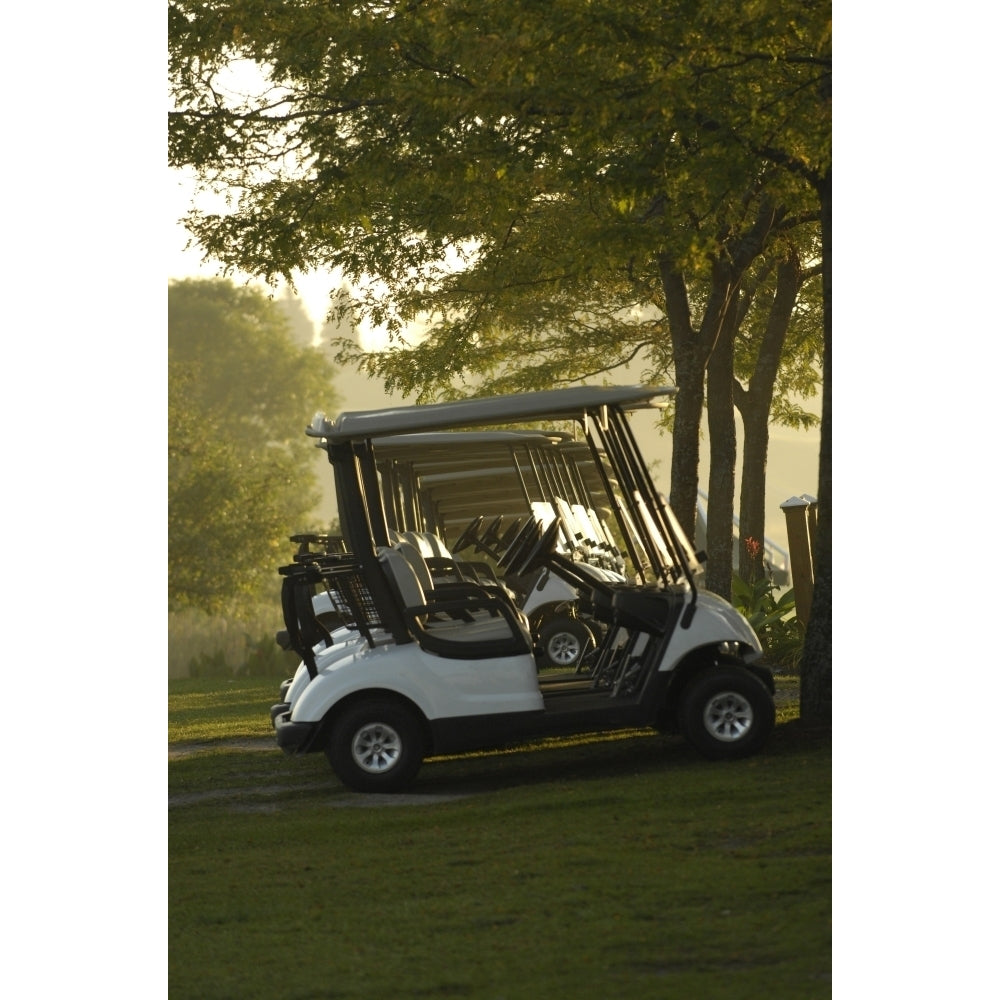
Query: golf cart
472, 490
428, 657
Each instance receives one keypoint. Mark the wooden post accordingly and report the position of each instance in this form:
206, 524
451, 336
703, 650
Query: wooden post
811, 520
800, 553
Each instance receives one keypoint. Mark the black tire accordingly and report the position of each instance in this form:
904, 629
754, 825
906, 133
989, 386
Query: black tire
376, 746
563, 642
726, 713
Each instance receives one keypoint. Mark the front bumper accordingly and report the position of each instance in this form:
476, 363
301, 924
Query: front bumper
293, 737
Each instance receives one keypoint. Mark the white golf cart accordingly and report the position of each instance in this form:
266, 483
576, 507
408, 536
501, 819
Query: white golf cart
430, 657
473, 490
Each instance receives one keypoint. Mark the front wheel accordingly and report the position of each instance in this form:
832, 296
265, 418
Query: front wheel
727, 713
376, 746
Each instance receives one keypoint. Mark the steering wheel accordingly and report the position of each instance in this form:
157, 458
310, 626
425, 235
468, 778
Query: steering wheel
542, 549
489, 536
525, 537
468, 536
509, 535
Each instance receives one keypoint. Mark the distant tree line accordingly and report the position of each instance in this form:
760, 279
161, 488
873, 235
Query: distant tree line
241, 475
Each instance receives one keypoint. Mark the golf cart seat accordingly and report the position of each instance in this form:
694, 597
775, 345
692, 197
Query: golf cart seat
443, 565
459, 621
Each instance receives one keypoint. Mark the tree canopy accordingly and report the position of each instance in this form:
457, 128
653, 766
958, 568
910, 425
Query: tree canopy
546, 191
241, 474
511, 173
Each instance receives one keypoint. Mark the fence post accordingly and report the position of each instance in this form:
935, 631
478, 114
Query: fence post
811, 520
800, 520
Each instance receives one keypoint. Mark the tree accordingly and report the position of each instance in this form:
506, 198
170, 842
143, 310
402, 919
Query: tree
817, 656
240, 470
779, 342
543, 186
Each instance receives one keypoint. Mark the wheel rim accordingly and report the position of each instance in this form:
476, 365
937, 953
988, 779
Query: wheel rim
728, 716
376, 748
564, 648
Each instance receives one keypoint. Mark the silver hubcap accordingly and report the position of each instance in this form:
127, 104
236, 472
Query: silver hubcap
376, 747
728, 716
564, 647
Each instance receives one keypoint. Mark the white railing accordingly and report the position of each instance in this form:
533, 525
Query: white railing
775, 557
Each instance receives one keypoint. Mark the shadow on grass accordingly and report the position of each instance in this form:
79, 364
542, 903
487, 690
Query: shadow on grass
246, 778
597, 759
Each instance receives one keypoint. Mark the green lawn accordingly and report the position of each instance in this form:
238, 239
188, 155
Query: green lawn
623, 866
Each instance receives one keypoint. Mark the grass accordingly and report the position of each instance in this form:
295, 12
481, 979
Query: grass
612, 866
208, 708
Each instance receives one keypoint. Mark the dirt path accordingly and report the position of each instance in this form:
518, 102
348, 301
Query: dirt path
267, 799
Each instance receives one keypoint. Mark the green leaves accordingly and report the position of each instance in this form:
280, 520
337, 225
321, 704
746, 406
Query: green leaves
240, 472
773, 619
459, 122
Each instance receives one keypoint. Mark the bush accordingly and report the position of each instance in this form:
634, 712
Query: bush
202, 645
773, 619
265, 658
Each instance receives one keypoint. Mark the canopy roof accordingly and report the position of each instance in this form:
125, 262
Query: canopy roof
550, 404
456, 447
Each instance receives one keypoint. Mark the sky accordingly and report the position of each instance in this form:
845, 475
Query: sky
313, 288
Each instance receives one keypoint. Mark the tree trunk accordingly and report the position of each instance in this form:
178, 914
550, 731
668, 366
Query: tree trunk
816, 696
688, 408
754, 404
722, 463
692, 350
690, 358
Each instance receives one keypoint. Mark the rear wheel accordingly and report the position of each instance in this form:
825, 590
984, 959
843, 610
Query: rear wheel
376, 746
726, 713
564, 642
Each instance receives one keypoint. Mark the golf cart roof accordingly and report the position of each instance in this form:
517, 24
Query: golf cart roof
551, 404
455, 444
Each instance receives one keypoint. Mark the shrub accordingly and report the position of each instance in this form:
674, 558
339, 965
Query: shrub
265, 658
773, 619
202, 645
